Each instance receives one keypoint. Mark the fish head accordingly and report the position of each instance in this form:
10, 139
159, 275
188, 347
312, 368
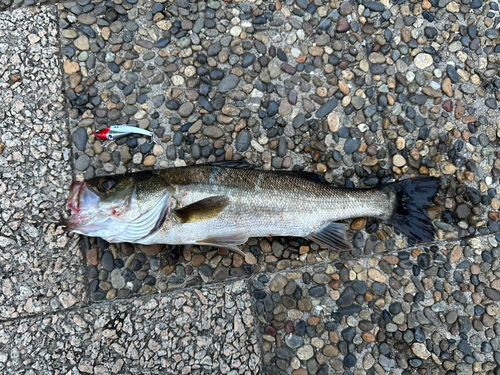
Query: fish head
120, 208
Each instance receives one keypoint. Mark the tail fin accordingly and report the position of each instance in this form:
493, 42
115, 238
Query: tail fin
410, 215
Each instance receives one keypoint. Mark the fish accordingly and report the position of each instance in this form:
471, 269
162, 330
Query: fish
224, 204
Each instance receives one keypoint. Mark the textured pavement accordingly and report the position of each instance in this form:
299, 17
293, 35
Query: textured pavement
288, 306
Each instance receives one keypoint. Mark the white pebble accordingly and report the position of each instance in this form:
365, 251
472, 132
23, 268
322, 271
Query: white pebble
137, 159
362, 127
257, 146
178, 80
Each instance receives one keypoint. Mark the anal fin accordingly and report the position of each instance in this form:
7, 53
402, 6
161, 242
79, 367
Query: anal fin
227, 242
332, 236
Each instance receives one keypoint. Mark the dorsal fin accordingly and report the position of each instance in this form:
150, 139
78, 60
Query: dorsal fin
311, 176
236, 164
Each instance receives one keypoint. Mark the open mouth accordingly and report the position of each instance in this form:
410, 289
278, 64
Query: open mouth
82, 202
74, 197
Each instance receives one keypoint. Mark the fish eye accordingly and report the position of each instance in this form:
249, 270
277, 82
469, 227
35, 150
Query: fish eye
107, 183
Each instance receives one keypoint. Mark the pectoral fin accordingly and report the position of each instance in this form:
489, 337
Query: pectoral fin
333, 236
202, 210
228, 242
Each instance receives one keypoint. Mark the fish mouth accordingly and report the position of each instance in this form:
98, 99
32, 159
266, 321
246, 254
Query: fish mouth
82, 202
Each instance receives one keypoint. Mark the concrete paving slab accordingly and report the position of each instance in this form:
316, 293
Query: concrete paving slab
40, 264
432, 306
208, 330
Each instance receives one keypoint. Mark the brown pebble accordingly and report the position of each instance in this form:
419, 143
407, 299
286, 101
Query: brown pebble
71, 67
313, 320
423, 170
381, 235
343, 87
446, 87
343, 25
448, 168
468, 119
151, 250
250, 258
358, 224
186, 253
265, 246
167, 270
459, 110
405, 34
434, 212
287, 68
223, 251
330, 351
301, 59
391, 259
474, 269
493, 215
304, 305
198, 260
368, 296
369, 161
334, 284
316, 51
299, 371
333, 337
343, 65
126, 248
303, 249
368, 337
93, 256
495, 203
237, 260
149, 161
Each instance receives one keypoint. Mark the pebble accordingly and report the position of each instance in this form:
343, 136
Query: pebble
228, 83
423, 60
278, 283
420, 350
305, 352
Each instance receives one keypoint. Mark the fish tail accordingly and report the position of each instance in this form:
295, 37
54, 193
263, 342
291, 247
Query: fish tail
411, 197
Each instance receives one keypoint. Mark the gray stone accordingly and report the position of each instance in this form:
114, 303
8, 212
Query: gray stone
228, 83
492, 294
82, 162
243, 140
80, 138
277, 283
186, 109
117, 280
326, 108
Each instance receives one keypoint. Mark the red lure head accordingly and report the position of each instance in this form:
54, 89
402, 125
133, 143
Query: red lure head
102, 134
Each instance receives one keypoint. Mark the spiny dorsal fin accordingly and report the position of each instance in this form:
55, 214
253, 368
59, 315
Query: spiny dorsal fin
236, 164
311, 176
205, 209
333, 236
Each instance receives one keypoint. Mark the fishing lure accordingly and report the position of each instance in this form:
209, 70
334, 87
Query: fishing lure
111, 133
